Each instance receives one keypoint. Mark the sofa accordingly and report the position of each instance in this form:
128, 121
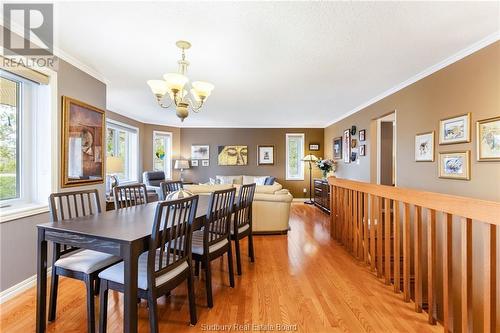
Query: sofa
270, 208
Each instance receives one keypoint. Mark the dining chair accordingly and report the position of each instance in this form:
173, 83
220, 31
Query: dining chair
213, 240
83, 265
170, 186
241, 226
130, 195
164, 266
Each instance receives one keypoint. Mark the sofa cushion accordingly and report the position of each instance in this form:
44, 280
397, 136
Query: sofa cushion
230, 179
203, 188
269, 189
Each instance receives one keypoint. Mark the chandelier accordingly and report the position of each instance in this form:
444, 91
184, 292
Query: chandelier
176, 86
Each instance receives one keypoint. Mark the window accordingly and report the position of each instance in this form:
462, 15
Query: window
25, 144
294, 156
162, 153
122, 143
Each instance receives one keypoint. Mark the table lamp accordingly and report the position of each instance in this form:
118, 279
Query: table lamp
181, 165
114, 166
310, 159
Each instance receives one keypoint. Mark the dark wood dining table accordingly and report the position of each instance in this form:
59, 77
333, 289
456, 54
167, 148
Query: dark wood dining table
125, 233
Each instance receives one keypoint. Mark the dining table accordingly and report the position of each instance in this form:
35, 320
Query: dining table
124, 233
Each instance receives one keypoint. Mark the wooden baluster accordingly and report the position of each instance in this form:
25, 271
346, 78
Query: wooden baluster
366, 230
355, 223
397, 253
406, 252
447, 272
418, 258
372, 231
431, 265
333, 212
490, 264
349, 220
380, 237
360, 225
466, 236
342, 220
387, 240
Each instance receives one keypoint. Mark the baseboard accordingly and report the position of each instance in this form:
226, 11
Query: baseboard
300, 199
20, 287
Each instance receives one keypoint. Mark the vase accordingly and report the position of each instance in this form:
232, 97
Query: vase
325, 174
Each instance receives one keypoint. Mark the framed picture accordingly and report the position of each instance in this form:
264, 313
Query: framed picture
488, 139
454, 129
205, 163
314, 146
362, 150
200, 152
454, 165
424, 147
337, 148
82, 141
194, 163
265, 155
232, 155
362, 135
346, 146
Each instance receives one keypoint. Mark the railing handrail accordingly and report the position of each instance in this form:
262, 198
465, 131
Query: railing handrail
475, 209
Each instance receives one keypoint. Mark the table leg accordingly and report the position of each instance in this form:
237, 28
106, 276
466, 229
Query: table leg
41, 282
130, 258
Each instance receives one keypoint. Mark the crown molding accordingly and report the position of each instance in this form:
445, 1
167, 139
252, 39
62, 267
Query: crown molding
490, 39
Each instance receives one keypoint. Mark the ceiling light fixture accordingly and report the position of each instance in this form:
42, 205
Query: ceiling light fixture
174, 84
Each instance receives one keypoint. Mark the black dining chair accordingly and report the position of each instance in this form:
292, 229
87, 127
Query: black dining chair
168, 187
82, 265
241, 226
164, 266
213, 240
130, 195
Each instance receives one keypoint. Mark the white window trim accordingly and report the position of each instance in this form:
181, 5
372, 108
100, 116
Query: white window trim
22, 210
121, 124
301, 165
169, 150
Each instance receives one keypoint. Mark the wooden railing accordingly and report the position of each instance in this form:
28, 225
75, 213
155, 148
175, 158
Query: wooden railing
374, 223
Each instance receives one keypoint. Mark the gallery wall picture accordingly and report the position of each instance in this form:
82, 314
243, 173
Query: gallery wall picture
232, 155
337, 148
362, 150
265, 155
424, 147
454, 165
205, 163
455, 129
200, 152
346, 146
314, 146
488, 139
82, 143
362, 135
194, 163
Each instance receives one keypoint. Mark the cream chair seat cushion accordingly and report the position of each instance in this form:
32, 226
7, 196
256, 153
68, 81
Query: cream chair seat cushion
86, 261
198, 243
240, 229
115, 272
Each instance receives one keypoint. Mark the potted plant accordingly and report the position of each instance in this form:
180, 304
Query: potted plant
326, 166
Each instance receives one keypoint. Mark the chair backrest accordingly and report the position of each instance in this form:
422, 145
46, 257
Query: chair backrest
70, 205
170, 243
153, 178
170, 186
130, 195
243, 212
220, 209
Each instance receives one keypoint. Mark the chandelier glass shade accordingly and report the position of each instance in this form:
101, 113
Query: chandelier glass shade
176, 86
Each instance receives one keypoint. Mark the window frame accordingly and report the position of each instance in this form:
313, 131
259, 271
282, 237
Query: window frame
129, 129
301, 175
167, 163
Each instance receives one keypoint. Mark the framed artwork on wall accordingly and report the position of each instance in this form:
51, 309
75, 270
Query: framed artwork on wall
194, 163
205, 163
82, 143
454, 129
265, 155
232, 155
346, 146
362, 150
314, 146
362, 135
200, 152
488, 139
454, 165
337, 148
424, 147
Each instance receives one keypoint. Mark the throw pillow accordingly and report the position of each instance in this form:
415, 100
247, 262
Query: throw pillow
269, 180
260, 180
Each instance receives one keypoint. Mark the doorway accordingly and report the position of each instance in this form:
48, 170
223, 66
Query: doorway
386, 150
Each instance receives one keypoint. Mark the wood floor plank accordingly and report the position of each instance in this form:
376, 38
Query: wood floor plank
304, 278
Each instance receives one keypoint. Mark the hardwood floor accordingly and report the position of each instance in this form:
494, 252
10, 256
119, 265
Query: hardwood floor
303, 279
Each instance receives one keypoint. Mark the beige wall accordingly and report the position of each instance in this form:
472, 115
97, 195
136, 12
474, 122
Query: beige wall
469, 85
251, 137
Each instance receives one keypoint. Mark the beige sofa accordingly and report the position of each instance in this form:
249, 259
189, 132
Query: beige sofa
270, 209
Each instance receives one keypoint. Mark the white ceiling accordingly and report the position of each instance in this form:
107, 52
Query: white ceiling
274, 64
